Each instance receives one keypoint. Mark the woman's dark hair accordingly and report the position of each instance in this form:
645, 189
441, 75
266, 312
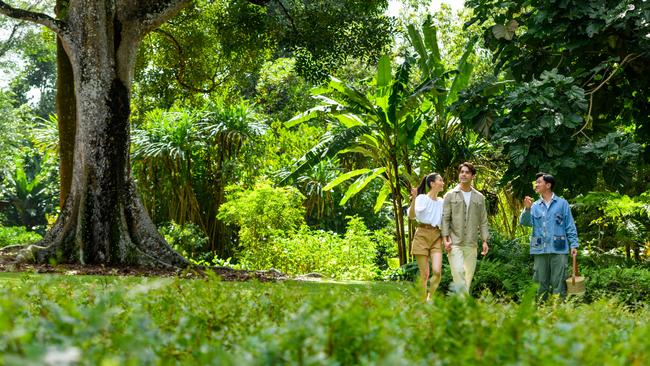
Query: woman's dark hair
423, 188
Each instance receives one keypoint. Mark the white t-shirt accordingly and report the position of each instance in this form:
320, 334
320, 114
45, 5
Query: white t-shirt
548, 204
467, 196
428, 211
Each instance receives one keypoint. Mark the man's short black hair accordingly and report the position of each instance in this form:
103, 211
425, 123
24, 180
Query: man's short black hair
547, 178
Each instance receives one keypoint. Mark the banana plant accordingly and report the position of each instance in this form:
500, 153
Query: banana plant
386, 124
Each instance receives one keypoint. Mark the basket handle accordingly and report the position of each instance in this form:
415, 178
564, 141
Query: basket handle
575, 269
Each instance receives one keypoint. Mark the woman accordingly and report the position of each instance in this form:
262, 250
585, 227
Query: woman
426, 207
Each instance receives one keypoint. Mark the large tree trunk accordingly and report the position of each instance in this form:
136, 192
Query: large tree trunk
103, 220
67, 119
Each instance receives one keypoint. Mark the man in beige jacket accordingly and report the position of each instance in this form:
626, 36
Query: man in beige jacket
464, 215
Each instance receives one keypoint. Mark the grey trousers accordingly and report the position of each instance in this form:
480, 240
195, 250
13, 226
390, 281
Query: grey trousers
550, 274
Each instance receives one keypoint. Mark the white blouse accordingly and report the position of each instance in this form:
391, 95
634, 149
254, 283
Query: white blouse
428, 211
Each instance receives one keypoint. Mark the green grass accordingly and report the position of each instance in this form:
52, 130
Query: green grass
147, 321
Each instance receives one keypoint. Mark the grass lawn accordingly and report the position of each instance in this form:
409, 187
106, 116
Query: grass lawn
140, 321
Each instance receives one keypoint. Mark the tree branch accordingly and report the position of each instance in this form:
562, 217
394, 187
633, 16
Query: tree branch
181, 68
286, 12
6, 46
154, 13
629, 58
39, 18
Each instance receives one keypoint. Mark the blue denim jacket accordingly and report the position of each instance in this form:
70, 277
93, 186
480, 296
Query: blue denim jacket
553, 228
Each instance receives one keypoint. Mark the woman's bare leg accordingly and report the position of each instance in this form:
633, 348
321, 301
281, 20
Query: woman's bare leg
423, 266
436, 273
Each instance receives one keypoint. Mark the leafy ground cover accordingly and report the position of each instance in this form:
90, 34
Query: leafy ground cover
111, 320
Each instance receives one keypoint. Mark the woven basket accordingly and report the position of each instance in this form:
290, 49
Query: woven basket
575, 285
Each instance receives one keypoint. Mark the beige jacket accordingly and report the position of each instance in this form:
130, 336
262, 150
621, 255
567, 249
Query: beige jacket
461, 225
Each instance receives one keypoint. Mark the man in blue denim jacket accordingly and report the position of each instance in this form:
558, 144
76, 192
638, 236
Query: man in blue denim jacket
554, 231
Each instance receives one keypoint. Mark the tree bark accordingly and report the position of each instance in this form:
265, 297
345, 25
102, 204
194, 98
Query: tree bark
67, 119
103, 220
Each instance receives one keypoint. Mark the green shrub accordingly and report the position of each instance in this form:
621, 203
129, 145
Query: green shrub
503, 279
406, 272
187, 239
507, 250
630, 285
262, 214
351, 256
386, 248
507, 270
17, 235
273, 234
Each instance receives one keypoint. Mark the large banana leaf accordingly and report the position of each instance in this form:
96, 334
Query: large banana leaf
465, 69
384, 192
431, 41
369, 153
418, 44
360, 184
349, 119
426, 47
310, 114
343, 177
351, 94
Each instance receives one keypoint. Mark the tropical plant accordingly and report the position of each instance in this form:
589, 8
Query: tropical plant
45, 136
319, 201
189, 240
184, 159
27, 192
536, 126
627, 216
581, 98
17, 235
261, 214
386, 124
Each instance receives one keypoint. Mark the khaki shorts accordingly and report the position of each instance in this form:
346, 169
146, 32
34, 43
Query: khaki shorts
425, 240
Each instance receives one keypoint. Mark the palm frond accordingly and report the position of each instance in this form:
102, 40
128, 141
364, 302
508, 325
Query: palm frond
329, 145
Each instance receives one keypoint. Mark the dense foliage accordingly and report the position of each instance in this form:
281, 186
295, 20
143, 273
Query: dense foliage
131, 321
602, 52
524, 86
17, 235
273, 234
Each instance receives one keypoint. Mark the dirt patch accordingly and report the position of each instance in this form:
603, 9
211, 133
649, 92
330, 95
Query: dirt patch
8, 264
